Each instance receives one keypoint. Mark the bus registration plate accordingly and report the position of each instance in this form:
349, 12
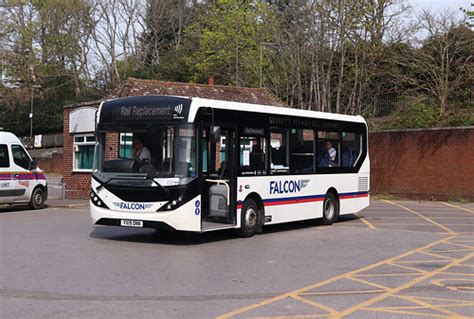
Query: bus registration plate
131, 223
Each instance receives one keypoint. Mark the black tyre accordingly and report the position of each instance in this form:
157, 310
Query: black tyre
248, 219
330, 209
37, 199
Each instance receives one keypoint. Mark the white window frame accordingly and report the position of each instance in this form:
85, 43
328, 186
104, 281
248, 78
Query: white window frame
74, 144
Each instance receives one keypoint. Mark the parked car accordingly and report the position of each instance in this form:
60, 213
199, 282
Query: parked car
21, 181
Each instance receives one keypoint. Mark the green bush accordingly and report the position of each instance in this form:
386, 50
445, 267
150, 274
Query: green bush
414, 112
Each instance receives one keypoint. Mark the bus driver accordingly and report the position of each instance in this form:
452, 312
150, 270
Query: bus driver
140, 153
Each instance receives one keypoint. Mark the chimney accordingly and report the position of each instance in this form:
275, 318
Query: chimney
210, 80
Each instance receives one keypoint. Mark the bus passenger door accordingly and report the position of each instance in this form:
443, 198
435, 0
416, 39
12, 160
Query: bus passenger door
219, 193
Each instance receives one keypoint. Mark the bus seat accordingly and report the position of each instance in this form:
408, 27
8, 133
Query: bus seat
324, 160
346, 157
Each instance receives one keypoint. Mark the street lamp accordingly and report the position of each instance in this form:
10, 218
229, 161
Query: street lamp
33, 87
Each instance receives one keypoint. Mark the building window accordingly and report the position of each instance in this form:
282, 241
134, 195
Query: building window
20, 157
329, 149
4, 160
125, 148
83, 152
301, 151
279, 151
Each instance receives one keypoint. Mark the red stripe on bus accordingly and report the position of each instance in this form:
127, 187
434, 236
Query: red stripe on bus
304, 200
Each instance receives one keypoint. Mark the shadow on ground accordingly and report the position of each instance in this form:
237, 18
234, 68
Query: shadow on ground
152, 236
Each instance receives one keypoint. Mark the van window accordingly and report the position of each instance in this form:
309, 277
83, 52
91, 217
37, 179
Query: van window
20, 157
4, 160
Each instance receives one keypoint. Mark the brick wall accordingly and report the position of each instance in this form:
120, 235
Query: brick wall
53, 164
77, 184
424, 164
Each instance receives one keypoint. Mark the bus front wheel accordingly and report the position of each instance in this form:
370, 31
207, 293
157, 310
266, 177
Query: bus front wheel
330, 209
248, 219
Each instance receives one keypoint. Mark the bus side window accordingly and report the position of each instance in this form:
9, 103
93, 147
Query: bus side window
252, 155
279, 151
351, 148
301, 151
328, 149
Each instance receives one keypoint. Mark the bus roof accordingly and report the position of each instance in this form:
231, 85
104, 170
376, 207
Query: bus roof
172, 108
267, 109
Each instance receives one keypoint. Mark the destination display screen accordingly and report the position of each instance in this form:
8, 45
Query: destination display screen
144, 112
143, 109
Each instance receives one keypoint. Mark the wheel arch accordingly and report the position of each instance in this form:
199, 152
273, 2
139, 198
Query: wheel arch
333, 191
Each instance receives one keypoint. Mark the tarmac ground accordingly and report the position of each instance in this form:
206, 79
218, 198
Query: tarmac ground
395, 259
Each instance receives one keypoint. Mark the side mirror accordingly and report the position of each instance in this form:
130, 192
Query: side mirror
32, 164
215, 134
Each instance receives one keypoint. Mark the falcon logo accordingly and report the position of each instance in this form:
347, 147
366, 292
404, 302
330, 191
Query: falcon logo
132, 206
282, 187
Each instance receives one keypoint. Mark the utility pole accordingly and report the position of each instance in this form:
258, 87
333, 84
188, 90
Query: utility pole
261, 65
33, 87
237, 62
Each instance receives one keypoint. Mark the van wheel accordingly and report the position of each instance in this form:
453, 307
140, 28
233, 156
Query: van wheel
330, 209
37, 199
248, 219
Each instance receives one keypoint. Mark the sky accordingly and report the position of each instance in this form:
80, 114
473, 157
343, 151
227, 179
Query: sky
439, 4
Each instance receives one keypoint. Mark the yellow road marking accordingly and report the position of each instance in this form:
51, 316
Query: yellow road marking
297, 316
328, 281
460, 245
441, 283
421, 261
408, 313
408, 268
328, 309
430, 306
421, 216
365, 221
458, 207
458, 273
409, 284
387, 275
435, 255
368, 283
342, 292
439, 299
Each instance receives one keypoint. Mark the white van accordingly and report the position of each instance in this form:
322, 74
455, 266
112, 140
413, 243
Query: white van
21, 181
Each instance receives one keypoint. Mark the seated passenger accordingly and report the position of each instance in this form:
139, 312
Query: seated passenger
331, 152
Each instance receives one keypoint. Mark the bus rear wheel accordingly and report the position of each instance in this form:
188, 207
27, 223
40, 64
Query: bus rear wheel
248, 219
330, 209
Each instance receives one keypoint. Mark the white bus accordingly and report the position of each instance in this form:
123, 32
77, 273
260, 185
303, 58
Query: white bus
193, 164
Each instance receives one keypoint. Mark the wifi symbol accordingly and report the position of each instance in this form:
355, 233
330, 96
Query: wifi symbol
178, 109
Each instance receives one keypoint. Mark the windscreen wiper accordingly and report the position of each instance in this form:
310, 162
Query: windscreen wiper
149, 177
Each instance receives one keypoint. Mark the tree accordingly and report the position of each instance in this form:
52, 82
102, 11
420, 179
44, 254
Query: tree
443, 61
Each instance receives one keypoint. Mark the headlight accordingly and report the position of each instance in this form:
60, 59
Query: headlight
95, 199
173, 204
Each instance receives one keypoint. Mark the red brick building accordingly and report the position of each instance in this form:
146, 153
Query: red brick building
79, 122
